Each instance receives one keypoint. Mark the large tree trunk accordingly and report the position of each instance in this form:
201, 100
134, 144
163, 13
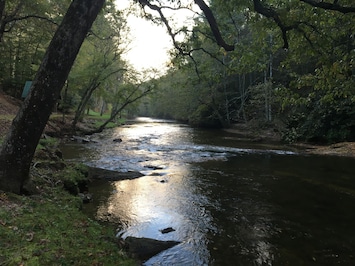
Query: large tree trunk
20, 144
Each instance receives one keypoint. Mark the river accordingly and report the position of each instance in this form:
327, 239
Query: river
229, 202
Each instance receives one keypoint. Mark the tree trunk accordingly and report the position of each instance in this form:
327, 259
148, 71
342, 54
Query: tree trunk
84, 101
21, 142
2, 18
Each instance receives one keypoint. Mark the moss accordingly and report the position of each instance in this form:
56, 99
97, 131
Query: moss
74, 178
47, 143
49, 229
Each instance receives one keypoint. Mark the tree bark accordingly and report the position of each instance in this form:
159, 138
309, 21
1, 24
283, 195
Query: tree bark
21, 142
2, 18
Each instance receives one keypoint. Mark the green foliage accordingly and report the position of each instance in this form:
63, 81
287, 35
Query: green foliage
310, 87
25, 40
311, 84
204, 116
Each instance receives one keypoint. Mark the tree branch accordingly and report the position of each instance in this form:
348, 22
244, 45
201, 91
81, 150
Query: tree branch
165, 21
210, 18
271, 13
213, 25
330, 6
31, 16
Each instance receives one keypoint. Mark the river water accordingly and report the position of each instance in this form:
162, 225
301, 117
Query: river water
229, 202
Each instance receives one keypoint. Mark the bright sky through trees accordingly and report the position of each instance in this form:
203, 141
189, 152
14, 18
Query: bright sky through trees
149, 42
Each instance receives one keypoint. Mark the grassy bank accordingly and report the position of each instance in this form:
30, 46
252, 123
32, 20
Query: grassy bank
50, 230
100, 119
47, 227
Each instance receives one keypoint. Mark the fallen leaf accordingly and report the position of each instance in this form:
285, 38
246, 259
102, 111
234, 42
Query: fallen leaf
30, 236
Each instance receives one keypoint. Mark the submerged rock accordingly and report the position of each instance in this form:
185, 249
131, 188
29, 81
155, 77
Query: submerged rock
109, 175
145, 248
80, 139
167, 230
85, 197
154, 167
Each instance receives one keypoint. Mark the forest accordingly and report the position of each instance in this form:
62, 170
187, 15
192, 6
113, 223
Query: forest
293, 72
291, 66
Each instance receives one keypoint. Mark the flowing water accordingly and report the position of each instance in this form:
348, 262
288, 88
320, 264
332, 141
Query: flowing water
229, 202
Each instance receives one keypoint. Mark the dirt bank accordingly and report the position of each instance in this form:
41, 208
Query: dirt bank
8, 109
269, 135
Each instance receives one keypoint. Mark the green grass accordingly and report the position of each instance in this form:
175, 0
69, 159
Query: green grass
97, 115
49, 229
99, 120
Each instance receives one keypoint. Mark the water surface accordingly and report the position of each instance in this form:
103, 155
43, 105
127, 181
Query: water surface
230, 203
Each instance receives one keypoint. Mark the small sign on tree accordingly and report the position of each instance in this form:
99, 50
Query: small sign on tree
26, 89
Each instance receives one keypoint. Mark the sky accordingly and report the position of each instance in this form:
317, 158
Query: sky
149, 46
150, 43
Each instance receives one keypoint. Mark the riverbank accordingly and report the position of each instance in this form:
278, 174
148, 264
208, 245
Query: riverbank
269, 135
47, 227
9, 107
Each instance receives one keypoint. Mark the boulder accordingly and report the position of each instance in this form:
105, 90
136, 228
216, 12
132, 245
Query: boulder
144, 248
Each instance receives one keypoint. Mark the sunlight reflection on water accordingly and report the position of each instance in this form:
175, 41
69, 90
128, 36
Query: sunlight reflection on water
168, 195
228, 205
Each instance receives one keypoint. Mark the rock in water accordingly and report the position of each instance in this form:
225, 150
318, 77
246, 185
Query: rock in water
109, 175
167, 230
145, 248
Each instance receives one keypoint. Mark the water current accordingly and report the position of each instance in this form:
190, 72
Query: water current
229, 202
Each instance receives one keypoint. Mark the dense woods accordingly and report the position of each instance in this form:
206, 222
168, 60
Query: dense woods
292, 68
282, 64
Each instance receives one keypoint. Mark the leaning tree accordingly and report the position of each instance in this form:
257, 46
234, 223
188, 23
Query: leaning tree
20, 143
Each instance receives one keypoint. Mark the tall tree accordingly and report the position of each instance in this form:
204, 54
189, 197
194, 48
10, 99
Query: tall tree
20, 144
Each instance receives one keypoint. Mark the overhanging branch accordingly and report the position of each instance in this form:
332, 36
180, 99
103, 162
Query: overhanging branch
210, 18
271, 13
330, 6
213, 25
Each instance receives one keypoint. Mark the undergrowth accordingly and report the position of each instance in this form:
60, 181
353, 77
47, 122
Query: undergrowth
48, 228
